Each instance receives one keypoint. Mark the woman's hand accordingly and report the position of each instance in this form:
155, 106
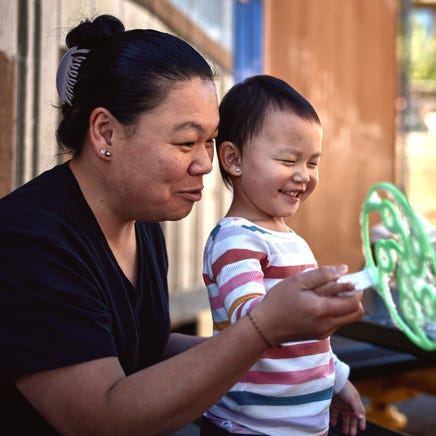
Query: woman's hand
307, 306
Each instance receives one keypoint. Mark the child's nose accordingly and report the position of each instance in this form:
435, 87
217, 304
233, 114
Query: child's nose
301, 175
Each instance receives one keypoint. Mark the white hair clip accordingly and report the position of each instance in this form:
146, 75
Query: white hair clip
68, 70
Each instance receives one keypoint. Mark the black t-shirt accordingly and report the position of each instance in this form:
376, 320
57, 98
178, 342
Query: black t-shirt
64, 298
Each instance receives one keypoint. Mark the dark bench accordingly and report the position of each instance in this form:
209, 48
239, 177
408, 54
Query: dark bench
370, 361
385, 376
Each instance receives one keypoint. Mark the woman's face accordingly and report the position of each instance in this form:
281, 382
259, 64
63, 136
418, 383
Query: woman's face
158, 169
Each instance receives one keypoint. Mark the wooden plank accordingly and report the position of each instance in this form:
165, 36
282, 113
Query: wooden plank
7, 112
50, 43
341, 56
8, 70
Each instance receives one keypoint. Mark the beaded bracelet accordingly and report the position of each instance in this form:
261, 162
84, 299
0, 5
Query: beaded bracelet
259, 331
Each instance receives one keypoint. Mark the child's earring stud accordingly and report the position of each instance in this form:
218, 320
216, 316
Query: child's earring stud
238, 170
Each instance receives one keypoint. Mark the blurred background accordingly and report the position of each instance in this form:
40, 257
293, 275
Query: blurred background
367, 66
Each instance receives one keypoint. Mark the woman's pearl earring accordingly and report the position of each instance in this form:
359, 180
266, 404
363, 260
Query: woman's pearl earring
107, 153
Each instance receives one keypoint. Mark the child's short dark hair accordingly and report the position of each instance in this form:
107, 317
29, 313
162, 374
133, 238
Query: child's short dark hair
243, 109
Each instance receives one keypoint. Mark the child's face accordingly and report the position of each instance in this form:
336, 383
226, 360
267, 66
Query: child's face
279, 167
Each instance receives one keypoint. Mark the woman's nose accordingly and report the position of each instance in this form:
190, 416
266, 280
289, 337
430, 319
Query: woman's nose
202, 164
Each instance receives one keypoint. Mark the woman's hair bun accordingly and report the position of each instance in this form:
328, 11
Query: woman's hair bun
88, 33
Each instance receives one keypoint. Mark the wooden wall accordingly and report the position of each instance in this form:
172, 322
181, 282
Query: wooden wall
7, 89
8, 65
340, 54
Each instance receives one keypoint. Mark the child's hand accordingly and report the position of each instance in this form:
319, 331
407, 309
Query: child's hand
348, 404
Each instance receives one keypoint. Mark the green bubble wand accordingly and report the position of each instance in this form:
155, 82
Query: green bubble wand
406, 259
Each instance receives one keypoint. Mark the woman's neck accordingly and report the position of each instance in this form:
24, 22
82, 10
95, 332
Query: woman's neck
119, 233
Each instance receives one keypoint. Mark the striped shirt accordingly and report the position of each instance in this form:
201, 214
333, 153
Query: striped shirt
289, 390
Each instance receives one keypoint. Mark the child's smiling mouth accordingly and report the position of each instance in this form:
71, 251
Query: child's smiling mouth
295, 194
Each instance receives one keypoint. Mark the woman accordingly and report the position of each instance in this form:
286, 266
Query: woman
85, 334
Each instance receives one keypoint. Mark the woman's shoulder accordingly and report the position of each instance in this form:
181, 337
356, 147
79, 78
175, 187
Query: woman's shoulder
41, 204
40, 191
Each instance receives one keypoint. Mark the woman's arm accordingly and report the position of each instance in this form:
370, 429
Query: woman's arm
97, 398
178, 342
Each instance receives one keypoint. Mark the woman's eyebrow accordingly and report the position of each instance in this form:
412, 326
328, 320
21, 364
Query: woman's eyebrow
190, 125
195, 126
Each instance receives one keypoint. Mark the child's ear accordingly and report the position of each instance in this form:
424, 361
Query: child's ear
230, 158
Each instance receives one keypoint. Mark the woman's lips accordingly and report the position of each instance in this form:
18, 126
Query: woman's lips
192, 195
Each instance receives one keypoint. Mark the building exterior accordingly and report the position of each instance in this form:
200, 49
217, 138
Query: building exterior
340, 54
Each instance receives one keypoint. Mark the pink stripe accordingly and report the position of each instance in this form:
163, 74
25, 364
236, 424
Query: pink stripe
281, 272
207, 280
289, 377
251, 304
236, 255
216, 302
298, 350
240, 280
